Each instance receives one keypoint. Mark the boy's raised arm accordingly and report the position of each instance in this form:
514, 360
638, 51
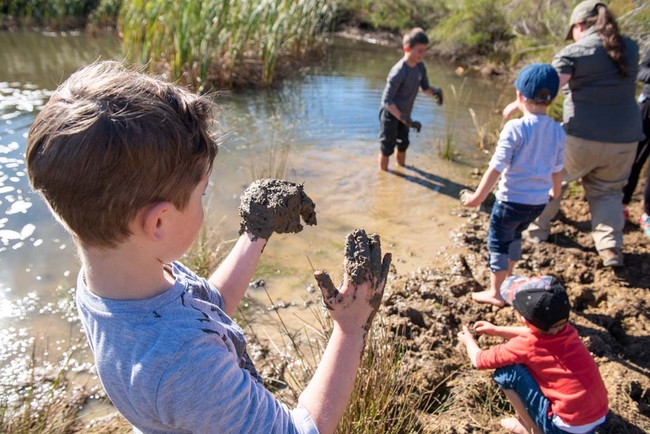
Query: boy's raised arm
352, 308
236, 271
267, 206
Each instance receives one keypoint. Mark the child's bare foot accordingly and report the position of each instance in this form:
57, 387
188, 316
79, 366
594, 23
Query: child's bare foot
513, 425
488, 296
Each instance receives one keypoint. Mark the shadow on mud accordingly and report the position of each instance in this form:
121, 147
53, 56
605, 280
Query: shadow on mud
432, 182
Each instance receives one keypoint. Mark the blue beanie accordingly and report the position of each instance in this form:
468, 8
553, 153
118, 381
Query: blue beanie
538, 82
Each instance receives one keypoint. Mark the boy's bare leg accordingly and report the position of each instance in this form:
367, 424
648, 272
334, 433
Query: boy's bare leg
524, 424
401, 158
492, 295
511, 267
383, 162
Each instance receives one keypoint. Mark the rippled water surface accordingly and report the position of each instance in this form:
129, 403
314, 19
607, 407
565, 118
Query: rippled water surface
326, 126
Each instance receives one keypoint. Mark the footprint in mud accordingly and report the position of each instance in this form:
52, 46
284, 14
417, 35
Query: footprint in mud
274, 205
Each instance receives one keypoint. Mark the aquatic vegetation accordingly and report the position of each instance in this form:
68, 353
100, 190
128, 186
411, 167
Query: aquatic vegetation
221, 42
384, 395
447, 145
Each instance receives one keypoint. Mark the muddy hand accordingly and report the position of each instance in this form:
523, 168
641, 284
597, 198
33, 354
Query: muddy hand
465, 196
437, 94
274, 205
363, 265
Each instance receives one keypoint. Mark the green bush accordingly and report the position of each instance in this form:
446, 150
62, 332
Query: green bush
394, 15
476, 26
48, 12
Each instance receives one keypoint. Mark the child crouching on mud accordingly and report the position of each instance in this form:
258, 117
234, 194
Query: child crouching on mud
529, 159
123, 160
544, 369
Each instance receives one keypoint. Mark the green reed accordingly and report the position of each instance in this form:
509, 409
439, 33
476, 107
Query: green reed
221, 42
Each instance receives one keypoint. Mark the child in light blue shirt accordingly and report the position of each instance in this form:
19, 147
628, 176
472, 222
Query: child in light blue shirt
528, 160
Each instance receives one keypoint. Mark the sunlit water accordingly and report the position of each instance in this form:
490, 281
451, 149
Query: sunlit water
327, 120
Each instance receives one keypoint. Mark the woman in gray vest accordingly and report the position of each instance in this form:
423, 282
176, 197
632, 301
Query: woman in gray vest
602, 122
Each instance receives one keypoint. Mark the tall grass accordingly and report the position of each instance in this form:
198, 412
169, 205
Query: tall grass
221, 42
384, 395
447, 146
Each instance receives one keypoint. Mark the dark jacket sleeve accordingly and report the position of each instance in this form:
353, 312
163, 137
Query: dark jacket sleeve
644, 69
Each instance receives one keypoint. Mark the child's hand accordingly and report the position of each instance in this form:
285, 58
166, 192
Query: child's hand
464, 336
354, 305
437, 94
274, 205
485, 328
469, 198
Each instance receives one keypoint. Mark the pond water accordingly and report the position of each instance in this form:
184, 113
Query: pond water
323, 127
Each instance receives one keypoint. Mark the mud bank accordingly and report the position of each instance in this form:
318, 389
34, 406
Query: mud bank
610, 310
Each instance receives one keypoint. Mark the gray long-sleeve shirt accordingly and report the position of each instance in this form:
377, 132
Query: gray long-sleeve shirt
176, 363
402, 86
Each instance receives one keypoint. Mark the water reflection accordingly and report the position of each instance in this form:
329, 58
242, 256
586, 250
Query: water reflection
328, 122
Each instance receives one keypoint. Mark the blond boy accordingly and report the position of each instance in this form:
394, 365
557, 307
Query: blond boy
123, 160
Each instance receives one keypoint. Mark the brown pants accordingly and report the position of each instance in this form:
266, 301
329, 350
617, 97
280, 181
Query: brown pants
604, 168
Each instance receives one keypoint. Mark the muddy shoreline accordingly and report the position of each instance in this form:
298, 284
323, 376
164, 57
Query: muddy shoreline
610, 310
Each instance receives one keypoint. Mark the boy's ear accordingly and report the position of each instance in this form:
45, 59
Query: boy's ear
407, 49
152, 219
520, 97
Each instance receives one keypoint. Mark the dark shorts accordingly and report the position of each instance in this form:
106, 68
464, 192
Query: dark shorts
507, 221
392, 133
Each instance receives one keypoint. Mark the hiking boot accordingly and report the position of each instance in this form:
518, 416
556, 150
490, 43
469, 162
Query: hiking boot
612, 257
645, 224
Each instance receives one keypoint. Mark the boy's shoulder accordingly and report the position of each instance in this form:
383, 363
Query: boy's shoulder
534, 123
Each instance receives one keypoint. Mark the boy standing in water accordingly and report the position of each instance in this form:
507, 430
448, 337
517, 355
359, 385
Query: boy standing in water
123, 159
544, 369
402, 85
529, 160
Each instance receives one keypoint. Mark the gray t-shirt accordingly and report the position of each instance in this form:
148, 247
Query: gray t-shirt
176, 363
529, 151
599, 104
402, 86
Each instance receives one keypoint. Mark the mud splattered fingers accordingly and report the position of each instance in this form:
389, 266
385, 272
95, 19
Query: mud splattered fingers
385, 267
327, 288
375, 258
357, 257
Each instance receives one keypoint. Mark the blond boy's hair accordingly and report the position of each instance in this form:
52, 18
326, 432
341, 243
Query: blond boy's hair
111, 141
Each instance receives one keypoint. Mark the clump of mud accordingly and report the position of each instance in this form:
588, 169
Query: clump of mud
610, 310
274, 205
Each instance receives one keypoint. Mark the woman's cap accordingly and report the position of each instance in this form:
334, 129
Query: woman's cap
541, 300
538, 82
581, 12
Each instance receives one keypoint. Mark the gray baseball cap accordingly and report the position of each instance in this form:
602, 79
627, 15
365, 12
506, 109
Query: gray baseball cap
581, 12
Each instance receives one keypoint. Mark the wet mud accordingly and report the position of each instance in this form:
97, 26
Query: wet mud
610, 310
273, 205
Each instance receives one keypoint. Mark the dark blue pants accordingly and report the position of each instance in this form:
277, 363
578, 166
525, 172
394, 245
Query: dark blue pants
507, 221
